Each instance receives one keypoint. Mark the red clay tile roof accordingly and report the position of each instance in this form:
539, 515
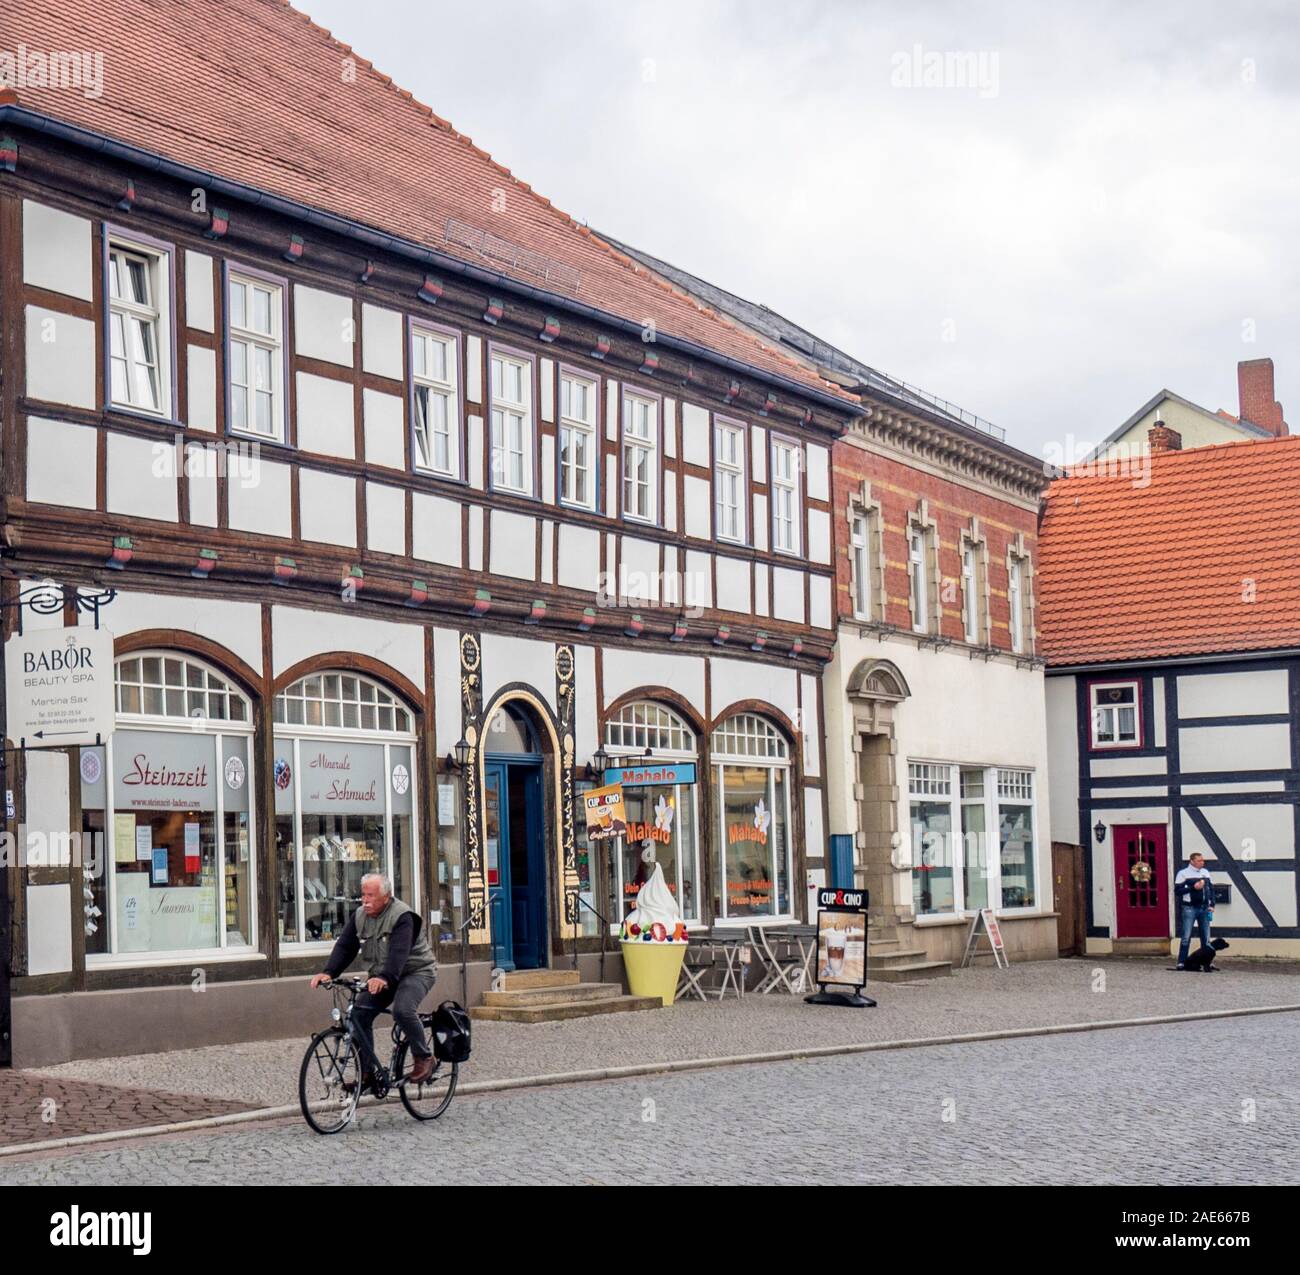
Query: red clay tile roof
1203, 559
253, 91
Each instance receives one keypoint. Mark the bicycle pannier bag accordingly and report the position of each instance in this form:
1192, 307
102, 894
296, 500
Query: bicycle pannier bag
451, 1033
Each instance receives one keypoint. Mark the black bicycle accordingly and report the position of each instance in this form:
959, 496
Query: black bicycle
330, 1083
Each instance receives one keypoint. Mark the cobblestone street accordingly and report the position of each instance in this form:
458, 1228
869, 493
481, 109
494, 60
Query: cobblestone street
1034, 994
1104, 1107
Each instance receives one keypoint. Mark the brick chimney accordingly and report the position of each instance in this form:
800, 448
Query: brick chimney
1255, 394
1160, 438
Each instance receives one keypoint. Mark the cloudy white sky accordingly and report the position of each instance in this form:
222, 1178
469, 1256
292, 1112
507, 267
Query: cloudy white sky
1115, 212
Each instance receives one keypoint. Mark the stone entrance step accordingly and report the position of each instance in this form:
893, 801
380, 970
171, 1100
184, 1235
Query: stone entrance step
909, 971
1140, 947
559, 995
517, 979
559, 1011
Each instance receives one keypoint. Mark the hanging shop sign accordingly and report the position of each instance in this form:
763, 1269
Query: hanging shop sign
841, 971
605, 813
654, 775
59, 686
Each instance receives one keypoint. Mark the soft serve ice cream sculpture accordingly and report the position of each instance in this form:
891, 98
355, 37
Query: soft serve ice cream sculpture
656, 918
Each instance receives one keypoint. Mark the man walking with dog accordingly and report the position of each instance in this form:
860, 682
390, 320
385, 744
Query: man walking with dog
1195, 893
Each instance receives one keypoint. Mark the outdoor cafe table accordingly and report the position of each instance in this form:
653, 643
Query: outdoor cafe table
732, 946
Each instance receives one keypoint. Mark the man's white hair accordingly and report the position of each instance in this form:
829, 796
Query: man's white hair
385, 882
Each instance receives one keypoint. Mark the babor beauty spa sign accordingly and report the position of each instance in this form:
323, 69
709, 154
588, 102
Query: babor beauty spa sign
59, 686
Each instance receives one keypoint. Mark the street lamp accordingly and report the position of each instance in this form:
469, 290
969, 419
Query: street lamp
1099, 832
599, 760
461, 760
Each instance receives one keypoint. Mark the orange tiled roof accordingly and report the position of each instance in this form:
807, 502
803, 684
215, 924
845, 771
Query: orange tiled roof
1203, 559
253, 91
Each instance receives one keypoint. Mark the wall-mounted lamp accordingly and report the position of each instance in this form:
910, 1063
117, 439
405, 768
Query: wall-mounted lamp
461, 759
1099, 832
596, 766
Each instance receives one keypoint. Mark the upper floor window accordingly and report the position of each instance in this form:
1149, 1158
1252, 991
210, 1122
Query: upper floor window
1116, 711
255, 318
1016, 603
640, 458
970, 591
860, 548
916, 565
435, 406
512, 424
139, 327
729, 481
785, 496
577, 441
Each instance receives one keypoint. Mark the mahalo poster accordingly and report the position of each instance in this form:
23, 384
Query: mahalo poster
605, 814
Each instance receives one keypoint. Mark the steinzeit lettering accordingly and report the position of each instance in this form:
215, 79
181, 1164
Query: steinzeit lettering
143, 774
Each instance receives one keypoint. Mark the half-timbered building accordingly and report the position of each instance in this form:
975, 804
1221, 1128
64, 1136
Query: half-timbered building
1170, 618
419, 506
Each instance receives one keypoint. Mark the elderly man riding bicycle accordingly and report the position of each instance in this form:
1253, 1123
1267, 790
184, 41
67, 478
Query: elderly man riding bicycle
401, 968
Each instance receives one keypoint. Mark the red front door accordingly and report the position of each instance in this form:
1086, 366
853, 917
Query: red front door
1141, 881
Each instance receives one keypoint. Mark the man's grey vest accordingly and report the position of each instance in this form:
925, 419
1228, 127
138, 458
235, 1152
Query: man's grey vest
374, 933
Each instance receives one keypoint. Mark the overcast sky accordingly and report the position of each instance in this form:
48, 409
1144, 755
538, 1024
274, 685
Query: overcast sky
1110, 209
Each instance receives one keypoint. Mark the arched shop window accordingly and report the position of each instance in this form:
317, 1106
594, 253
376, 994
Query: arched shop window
345, 792
751, 793
170, 796
662, 815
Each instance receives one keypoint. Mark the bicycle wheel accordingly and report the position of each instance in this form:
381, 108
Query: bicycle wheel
429, 1100
329, 1083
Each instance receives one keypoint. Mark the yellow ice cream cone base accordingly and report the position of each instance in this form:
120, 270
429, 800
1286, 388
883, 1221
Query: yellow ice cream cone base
653, 968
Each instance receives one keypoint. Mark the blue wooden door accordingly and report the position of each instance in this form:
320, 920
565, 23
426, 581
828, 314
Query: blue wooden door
516, 862
496, 807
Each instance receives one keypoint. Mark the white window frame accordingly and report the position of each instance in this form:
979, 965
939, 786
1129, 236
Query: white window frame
940, 782
251, 339
860, 561
1016, 603
1097, 712
786, 463
750, 740
446, 389
183, 724
918, 575
573, 426
127, 317
639, 447
506, 413
970, 591
670, 739
729, 471
298, 733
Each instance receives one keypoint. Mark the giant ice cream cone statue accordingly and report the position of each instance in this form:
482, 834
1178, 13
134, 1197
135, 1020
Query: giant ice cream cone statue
654, 941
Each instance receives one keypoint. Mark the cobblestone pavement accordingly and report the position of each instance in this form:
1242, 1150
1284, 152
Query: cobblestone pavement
1032, 994
1110, 1107
35, 1107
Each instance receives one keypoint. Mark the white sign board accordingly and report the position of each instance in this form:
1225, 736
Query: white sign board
59, 686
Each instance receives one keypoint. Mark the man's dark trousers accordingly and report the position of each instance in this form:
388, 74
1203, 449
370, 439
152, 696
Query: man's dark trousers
1193, 918
405, 1002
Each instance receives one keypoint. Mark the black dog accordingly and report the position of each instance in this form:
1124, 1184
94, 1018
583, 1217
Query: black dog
1202, 959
